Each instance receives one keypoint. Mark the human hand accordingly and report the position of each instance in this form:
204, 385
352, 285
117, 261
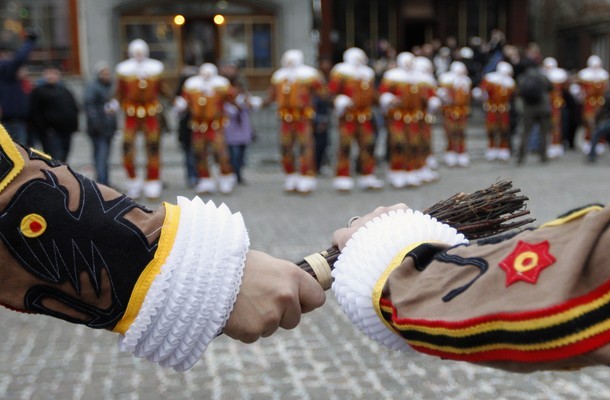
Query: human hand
341, 236
32, 34
274, 293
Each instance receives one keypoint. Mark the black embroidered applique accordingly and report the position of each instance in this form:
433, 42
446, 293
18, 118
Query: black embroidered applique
76, 244
453, 259
423, 255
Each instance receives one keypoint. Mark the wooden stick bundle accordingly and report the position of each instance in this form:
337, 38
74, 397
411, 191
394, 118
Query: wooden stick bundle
484, 213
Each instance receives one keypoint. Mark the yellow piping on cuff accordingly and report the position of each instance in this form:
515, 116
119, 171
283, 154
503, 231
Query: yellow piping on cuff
378, 288
571, 217
14, 156
166, 242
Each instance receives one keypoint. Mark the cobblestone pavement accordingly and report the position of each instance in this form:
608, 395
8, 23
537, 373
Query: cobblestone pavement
325, 357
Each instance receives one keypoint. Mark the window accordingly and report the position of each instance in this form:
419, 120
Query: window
249, 41
56, 19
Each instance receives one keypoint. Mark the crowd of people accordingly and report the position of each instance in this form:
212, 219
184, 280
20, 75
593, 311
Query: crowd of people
530, 105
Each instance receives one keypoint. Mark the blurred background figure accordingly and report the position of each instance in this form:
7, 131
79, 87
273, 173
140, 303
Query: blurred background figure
239, 132
184, 130
352, 83
602, 127
15, 89
293, 88
454, 91
559, 79
497, 91
534, 90
205, 95
322, 120
442, 60
571, 116
54, 113
139, 88
593, 82
404, 98
101, 119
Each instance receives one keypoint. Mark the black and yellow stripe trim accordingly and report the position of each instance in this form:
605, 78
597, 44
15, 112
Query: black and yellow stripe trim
572, 216
570, 328
11, 161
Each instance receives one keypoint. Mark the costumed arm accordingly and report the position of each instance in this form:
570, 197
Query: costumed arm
270, 95
535, 300
168, 281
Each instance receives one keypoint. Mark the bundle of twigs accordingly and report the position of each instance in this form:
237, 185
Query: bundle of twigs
484, 213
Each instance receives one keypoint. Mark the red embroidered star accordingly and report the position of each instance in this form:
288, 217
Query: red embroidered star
526, 262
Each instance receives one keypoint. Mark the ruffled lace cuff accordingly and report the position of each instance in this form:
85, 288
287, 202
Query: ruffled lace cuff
190, 300
370, 255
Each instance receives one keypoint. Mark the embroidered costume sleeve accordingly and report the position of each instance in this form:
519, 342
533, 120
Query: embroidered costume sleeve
539, 299
166, 280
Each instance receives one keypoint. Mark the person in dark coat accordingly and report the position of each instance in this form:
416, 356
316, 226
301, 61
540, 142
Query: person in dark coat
14, 89
101, 119
54, 114
184, 130
534, 90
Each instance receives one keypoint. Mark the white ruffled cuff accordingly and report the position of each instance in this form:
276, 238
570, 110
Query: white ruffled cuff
189, 301
366, 257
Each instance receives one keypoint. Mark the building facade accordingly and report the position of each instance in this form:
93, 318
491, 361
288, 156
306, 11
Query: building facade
409, 23
78, 33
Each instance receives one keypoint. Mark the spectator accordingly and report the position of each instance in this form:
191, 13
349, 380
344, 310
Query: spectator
101, 119
54, 114
15, 89
239, 132
322, 120
571, 114
184, 130
534, 91
442, 61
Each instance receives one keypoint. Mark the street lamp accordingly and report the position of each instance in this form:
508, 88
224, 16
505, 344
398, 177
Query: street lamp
179, 20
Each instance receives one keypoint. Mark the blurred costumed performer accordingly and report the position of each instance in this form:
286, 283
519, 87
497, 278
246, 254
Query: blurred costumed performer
352, 83
593, 82
428, 85
138, 90
559, 79
293, 88
403, 104
497, 89
454, 91
205, 96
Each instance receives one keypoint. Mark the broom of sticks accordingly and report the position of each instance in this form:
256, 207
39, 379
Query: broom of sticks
481, 214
